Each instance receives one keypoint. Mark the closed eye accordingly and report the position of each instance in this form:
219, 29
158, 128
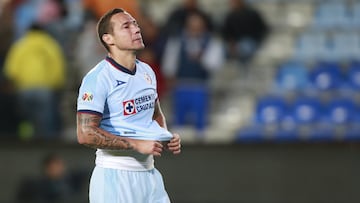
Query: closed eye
126, 25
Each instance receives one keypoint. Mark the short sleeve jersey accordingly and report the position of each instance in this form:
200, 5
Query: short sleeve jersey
124, 99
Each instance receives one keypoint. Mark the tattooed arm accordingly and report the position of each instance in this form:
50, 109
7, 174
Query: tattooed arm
89, 134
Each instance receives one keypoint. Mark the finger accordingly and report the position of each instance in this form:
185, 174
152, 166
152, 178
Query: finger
175, 148
173, 144
156, 153
158, 147
175, 138
158, 144
177, 151
175, 141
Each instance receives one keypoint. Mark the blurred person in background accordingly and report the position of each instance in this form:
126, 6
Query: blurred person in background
25, 12
35, 66
119, 114
100, 7
89, 50
60, 18
177, 18
244, 30
51, 16
7, 29
9, 123
189, 60
56, 184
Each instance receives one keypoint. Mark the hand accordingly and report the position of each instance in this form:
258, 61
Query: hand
175, 144
148, 147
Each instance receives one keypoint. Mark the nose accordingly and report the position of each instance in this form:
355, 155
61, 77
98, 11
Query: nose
136, 29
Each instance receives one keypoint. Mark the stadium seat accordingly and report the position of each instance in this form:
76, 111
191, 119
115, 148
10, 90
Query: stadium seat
288, 131
307, 113
305, 110
337, 118
268, 115
353, 75
331, 14
345, 113
309, 45
340, 111
346, 45
250, 134
291, 76
270, 109
355, 15
326, 76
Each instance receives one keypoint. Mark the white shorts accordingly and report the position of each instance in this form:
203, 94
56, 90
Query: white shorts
120, 186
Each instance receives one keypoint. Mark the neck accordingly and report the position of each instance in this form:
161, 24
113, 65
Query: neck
126, 59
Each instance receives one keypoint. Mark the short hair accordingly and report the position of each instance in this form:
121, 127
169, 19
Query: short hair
104, 26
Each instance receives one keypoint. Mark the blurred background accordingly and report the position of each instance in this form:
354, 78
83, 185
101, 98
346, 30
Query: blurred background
264, 93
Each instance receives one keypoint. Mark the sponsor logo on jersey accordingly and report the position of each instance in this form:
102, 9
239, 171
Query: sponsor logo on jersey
139, 104
129, 107
87, 96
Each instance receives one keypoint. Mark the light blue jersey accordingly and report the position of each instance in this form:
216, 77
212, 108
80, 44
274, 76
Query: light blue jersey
126, 102
124, 99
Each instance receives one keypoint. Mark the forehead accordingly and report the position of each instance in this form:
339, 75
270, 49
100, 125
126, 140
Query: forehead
121, 18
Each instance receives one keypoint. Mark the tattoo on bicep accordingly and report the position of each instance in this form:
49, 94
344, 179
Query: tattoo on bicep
98, 138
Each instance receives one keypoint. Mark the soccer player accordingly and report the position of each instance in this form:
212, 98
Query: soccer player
119, 114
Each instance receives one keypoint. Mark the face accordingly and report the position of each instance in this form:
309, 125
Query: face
195, 25
55, 169
190, 4
126, 33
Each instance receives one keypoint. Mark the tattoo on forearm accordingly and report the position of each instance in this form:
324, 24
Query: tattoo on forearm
98, 138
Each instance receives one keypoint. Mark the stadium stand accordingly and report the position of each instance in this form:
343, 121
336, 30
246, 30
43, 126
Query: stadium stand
316, 88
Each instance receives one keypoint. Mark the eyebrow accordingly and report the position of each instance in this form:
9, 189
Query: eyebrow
125, 23
128, 22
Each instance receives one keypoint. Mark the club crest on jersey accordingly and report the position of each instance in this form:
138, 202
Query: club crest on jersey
129, 107
148, 78
87, 97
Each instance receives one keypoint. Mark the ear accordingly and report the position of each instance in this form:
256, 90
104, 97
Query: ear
108, 39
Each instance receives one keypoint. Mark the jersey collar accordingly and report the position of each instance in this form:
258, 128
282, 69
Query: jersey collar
120, 67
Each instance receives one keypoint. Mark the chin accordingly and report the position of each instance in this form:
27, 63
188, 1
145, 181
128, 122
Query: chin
141, 47
134, 47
